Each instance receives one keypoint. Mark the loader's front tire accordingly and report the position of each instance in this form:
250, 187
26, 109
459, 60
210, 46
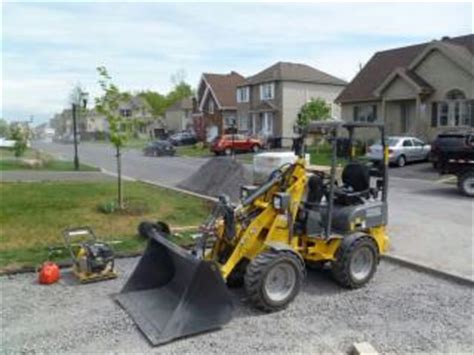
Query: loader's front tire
273, 279
356, 262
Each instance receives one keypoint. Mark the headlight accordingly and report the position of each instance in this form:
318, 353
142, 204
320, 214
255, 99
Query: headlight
281, 201
277, 202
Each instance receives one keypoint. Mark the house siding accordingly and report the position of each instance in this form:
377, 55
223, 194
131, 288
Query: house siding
444, 75
399, 89
296, 94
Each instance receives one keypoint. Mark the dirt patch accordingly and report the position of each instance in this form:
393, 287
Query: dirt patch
218, 176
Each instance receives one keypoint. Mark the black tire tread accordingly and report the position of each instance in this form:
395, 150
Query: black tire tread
461, 179
340, 267
255, 274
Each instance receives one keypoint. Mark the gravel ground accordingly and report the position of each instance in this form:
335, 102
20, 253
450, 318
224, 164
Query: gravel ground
400, 311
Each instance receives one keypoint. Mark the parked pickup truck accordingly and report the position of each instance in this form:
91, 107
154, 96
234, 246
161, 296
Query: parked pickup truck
453, 153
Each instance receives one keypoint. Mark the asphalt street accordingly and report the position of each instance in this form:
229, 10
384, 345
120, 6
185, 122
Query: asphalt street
165, 170
429, 222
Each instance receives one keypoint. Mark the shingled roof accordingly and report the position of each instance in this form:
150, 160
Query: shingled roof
284, 71
224, 86
382, 64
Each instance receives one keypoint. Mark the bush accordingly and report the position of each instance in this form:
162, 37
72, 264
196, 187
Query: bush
108, 207
199, 145
131, 207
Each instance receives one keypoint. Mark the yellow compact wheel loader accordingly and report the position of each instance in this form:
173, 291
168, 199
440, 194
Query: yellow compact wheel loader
297, 218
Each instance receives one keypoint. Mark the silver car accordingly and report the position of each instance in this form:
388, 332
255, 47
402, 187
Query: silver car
401, 150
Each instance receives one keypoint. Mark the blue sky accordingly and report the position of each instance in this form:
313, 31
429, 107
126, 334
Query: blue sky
49, 47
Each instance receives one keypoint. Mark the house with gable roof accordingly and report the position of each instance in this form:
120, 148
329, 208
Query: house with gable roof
419, 90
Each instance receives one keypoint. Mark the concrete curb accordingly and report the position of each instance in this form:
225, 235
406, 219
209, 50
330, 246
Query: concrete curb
420, 267
154, 183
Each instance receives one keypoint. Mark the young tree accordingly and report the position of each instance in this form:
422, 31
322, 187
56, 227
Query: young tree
20, 136
314, 110
120, 127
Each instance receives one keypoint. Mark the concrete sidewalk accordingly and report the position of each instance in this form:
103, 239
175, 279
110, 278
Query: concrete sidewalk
35, 176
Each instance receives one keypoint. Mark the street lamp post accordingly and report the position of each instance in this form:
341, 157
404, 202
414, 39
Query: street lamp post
233, 127
82, 102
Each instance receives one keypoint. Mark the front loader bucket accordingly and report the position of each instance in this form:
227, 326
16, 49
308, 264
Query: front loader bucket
172, 294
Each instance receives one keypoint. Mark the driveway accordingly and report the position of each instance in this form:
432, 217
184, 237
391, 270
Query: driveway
421, 171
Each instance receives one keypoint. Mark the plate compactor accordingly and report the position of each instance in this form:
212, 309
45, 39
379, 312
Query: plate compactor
297, 218
93, 260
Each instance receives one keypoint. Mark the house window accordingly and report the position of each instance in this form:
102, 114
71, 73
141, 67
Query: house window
243, 123
365, 113
266, 124
452, 112
126, 112
210, 106
243, 94
229, 121
267, 91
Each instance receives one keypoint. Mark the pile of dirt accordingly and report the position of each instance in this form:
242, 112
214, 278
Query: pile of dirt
220, 175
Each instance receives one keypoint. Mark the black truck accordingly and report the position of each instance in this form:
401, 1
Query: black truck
453, 153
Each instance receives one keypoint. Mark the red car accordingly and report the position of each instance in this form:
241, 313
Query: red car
239, 143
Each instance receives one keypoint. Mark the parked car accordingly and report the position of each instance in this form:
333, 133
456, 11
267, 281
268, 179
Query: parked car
158, 149
183, 138
401, 150
237, 142
451, 142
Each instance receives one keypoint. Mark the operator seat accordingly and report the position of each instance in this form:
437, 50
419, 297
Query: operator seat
356, 184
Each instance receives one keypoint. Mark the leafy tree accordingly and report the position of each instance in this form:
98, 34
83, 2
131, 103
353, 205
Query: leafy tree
314, 110
4, 128
179, 92
20, 136
120, 128
158, 103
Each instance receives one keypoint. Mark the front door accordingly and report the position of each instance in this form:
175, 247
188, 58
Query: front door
404, 117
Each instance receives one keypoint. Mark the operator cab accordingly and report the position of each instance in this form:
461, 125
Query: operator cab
357, 201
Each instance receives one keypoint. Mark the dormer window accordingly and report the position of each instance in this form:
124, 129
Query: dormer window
267, 91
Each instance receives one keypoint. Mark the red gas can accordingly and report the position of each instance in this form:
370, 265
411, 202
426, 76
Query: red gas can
49, 273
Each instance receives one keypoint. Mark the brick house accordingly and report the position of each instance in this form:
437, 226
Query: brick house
268, 102
416, 90
215, 106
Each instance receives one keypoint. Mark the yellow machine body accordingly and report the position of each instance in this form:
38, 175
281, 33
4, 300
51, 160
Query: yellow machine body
271, 229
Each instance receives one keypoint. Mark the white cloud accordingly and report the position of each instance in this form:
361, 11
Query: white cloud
47, 48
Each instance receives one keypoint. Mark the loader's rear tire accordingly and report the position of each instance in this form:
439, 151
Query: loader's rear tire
273, 279
356, 262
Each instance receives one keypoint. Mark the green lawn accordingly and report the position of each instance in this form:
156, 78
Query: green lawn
7, 153
8, 161
193, 151
33, 216
52, 165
